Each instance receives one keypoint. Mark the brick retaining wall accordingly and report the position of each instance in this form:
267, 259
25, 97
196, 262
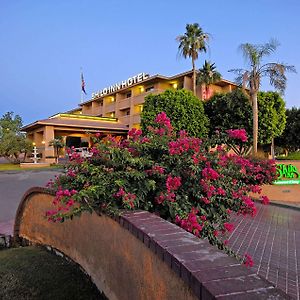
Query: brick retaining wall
141, 256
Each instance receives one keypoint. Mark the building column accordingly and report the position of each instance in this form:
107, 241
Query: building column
49, 150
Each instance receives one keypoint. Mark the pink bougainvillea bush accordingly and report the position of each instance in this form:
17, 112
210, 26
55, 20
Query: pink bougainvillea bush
168, 173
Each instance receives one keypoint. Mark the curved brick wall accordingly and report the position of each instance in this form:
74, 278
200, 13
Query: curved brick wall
140, 256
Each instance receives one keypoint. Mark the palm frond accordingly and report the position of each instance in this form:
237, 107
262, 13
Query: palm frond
193, 41
267, 48
208, 74
276, 72
249, 52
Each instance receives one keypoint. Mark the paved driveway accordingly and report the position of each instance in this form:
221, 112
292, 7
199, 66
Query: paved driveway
272, 238
14, 184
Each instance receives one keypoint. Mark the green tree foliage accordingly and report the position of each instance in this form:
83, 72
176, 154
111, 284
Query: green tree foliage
13, 143
290, 139
184, 109
191, 43
233, 110
271, 116
254, 56
229, 111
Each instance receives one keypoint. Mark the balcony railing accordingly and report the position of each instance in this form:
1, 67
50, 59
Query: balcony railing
124, 119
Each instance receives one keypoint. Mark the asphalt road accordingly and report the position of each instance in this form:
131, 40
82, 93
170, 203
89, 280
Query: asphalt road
14, 184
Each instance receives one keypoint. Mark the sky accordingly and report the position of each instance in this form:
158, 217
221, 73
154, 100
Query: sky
44, 45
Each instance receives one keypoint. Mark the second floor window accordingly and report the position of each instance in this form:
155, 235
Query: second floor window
149, 88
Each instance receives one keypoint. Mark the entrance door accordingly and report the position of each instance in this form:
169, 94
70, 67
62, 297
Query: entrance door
73, 141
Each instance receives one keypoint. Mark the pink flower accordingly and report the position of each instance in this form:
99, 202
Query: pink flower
205, 200
191, 223
216, 233
177, 219
264, 200
71, 173
163, 120
221, 191
160, 199
173, 183
155, 170
248, 261
70, 202
120, 193
239, 134
209, 173
229, 227
134, 134
145, 140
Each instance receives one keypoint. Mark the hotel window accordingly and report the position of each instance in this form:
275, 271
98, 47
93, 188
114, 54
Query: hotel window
150, 88
127, 112
128, 95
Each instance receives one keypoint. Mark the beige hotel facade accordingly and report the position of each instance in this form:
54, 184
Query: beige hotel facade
112, 110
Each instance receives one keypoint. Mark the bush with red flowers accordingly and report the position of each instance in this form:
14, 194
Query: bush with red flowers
171, 174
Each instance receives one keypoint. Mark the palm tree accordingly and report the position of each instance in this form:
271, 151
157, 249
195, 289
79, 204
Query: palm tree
58, 144
254, 55
193, 41
208, 75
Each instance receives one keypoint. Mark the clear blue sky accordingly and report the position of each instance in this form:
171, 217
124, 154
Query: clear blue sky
43, 44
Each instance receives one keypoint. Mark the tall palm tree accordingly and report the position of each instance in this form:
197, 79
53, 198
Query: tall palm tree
208, 75
254, 55
193, 41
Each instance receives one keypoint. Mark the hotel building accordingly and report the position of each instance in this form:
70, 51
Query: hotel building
112, 110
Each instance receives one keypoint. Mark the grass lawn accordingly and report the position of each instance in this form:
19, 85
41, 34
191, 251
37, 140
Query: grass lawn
12, 167
291, 156
33, 273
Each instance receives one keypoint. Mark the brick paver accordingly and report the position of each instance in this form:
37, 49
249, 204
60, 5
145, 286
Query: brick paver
272, 238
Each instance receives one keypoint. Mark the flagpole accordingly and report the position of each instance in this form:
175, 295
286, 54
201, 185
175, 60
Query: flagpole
81, 92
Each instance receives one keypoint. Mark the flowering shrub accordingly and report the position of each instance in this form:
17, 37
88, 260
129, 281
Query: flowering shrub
170, 174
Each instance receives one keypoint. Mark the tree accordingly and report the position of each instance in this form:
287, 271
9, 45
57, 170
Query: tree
13, 143
193, 41
208, 75
254, 55
271, 115
181, 106
233, 111
229, 111
58, 144
290, 138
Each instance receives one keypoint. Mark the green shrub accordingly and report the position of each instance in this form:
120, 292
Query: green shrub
185, 111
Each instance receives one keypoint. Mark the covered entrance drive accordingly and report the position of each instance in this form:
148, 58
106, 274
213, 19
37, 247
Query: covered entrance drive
75, 131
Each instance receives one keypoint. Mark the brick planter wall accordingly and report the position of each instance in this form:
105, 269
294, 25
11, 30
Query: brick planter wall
140, 256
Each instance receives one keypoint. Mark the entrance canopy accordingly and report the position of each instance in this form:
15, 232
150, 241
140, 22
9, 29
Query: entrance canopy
79, 123
69, 125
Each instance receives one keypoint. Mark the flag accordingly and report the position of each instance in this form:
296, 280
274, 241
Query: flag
82, 83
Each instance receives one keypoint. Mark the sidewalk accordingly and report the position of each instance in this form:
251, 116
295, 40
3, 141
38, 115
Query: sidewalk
272, 238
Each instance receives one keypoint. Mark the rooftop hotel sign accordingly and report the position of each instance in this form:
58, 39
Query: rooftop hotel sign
287, 174
121, 85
